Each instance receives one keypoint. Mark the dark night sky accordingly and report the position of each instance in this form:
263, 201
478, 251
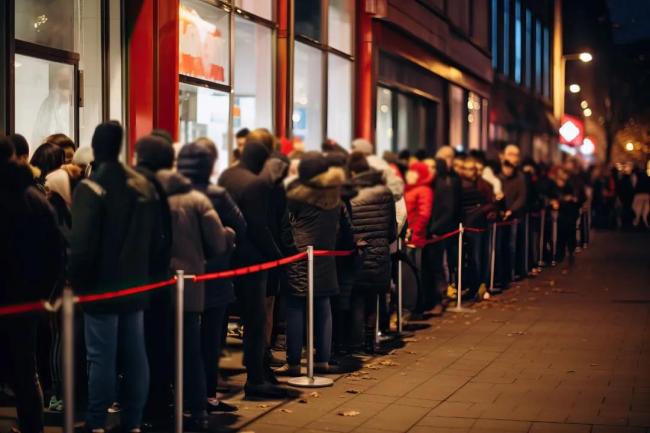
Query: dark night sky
630, 20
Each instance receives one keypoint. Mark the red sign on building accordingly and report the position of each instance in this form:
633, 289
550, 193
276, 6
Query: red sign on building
572, 131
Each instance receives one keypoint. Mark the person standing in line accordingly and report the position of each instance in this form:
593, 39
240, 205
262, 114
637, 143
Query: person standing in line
112, 247
251, 193
29, 274
196, 161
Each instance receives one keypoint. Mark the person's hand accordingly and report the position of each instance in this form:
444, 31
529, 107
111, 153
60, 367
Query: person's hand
507, 214
409, 234
499, 196
555, 204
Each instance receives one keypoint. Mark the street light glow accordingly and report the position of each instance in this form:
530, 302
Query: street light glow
585, 57
584, 105
574, 88
587, 112
629, 146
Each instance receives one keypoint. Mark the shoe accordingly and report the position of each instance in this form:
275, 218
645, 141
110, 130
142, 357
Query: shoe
437, 310
273, 360
288, 370
55, 404
215, 405
482, 290
115, 408
265, 391
416, 317
269, 376
325, 368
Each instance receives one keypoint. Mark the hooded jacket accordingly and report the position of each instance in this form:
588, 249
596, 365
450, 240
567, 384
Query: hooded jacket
419, 201
251, 193
195, 163
515, 192
445, 213
198, 234
315, 211
32, 249
373, 219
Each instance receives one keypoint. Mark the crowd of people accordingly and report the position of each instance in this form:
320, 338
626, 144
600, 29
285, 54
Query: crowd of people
78, 217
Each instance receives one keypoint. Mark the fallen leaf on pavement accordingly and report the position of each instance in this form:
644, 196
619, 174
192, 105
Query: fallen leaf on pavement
303, 401
410, 340
353, 391
388, 363
349, 413
286, 410
263, 405
314, 394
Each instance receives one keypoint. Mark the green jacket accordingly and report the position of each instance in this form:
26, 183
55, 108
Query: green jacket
113, 239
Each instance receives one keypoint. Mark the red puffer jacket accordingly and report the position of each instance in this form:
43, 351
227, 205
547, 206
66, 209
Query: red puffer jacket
419, 201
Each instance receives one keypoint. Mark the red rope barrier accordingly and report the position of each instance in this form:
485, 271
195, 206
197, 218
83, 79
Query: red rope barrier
250, 269
474, 230
8, 310
124, 292
327, 253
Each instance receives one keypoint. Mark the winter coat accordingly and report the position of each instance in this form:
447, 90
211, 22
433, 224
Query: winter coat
198, 234
32, 249
373, 218
315, 213
515, 193
251, 193
419, 201
112, 241
197, 167
445, 213
476, 202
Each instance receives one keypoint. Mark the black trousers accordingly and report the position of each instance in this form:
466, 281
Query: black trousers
211, 337
251, 292
19, 334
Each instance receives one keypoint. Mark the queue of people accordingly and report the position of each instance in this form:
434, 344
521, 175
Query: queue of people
102, 226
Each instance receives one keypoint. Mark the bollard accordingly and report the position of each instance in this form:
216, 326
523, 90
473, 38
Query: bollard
178, 380
399, 286
554, 215
493, 243
67, 327
526, 242
540, 262
459, 289
310, 381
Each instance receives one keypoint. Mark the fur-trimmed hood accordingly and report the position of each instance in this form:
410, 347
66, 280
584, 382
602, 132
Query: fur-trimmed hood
322, 191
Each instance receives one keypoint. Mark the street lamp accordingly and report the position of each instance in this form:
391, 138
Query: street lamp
574, 88
584, 105
629, 146
587, 112
584, 57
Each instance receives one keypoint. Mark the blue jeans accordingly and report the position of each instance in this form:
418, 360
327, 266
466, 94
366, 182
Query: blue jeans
296, 326
103, 333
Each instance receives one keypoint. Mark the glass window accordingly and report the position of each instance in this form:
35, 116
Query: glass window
518, 41
46, 89
308, 18
90, 62
204, 113
307, 96
261, 8
547, 62
47, 23
505, 67
339, 100
253, 104
538, 56
341, 16
203, 35
385, 129
495, 35
474, 120
529, 48
456, 117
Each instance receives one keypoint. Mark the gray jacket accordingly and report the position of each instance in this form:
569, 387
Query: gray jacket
198, 234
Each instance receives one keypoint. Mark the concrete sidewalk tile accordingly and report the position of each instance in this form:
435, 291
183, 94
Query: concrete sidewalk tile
428, 429
419, 402
504, 426
616, 429
396, 417
544, 427
447, 422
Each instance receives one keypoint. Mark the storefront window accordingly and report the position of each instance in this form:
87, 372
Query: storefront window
204, 113
261, 8
456, 117
44, 95
48, 23
474, 120
341, 15
308, 18
385, 129
339, 100
204, 35
307, 96
90, 62
253, 80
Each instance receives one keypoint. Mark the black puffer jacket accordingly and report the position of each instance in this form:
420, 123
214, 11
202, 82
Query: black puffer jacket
195, 163
446, 211
315, 212
374, 221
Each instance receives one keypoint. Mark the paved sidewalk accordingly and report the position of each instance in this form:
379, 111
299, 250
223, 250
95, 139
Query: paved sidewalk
568, 351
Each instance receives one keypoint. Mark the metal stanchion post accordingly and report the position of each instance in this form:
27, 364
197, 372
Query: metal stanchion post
67, 326
554, 215
579, 230
310, 381
459, 289
493, 256
399, 286
178, 380
526, 243
540, 261
377, 319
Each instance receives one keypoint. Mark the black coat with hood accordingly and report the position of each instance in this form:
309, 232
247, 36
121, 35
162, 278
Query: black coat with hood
315, 210
32, 247
374, 221
446, 210
195, 162
251, 193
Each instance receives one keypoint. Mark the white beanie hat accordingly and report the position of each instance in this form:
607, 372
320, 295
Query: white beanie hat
362, 145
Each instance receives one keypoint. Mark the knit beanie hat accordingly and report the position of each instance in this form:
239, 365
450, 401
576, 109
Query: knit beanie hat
254, 156
357, 163
107, 141
311, 165
362, 145
154, 152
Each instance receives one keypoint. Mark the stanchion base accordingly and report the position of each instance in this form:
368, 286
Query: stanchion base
460, 310
404, 334
307, 382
